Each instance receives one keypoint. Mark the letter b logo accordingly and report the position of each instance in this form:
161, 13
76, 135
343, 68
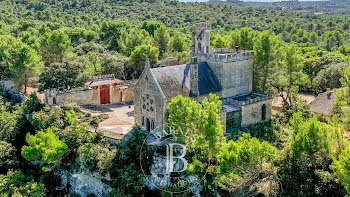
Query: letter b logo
175, 163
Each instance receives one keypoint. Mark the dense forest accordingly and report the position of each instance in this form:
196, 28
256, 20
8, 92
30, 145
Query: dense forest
62, 44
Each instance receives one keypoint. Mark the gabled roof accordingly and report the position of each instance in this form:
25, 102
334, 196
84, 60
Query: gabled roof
323, 103
175, 80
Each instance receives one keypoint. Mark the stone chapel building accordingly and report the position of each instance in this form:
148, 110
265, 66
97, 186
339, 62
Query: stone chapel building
225, 72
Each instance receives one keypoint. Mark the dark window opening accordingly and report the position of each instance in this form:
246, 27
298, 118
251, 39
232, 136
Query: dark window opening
152, 125
233, 120
148, 125
263, 112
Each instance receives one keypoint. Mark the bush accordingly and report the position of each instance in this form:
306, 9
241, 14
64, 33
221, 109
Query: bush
8, 159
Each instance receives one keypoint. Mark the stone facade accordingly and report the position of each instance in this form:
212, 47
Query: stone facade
149, 101
117, 91
225, 72
253, 113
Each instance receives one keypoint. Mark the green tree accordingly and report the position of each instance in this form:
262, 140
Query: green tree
246, 38
265, 57
241, 161
126, 169
234, 39
133, 37
138, 57
219, 41
8, 159
15, 183
162, 39
304, 168
179, 42
113, 63
9, 122
87, 47
48, 117
151, 26
342, 100
341, 168
328, 77
92, 61
21, 61
103, 63
111, 32
77, 135
44, 149
31, 104
55, 46
289, 75
80, 35
344, 49
66, 75
97, 157
189, 118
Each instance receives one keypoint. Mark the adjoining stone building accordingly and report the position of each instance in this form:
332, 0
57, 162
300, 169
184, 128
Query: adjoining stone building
227, 73
101, 90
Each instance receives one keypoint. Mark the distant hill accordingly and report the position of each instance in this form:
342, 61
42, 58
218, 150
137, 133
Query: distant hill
262, 0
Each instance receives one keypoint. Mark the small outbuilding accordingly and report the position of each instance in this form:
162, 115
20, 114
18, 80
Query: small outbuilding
101, 90
323, 103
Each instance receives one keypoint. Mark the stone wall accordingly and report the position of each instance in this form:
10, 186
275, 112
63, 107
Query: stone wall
78, 96
252, 113
235, 77
83, 96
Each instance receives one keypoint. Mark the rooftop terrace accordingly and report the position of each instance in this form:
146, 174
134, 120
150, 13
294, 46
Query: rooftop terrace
225, 55
246, 99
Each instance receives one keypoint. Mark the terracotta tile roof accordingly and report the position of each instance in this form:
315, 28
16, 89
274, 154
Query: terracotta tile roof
103, 80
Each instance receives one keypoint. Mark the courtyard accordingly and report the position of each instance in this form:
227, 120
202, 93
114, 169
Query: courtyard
117, 120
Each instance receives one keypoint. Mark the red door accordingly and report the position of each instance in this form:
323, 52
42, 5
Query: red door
104, 94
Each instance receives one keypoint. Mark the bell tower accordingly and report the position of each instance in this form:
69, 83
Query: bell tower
201, 39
